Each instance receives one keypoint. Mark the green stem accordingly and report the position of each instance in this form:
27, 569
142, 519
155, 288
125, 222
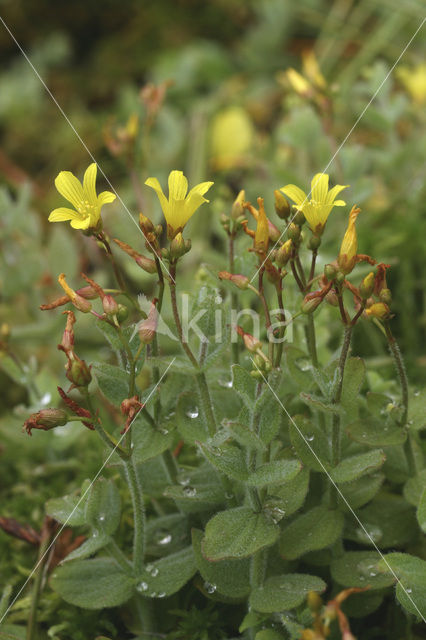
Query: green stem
206, 402
115, 551
42, 558
311, 339
267, 316
280, 344
118, 276
105, 436
234, 297
138, 514
336, 434
155, 369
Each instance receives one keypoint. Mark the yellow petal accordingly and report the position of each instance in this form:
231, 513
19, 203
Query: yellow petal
295, 193
178, 186
154, 184
319, 187
339, 203
89, 183
70, 188
81, 223
201, 189
105, 198
61, 214
334, 192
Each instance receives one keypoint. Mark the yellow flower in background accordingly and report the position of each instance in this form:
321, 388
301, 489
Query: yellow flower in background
310, 81
414, 80
231, 138
181, 205
87, 205
349, 247
316, 210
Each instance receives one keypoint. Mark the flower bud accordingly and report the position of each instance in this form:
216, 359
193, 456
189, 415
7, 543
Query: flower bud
46, 419
261, 238
385, 296
237, 207
293, 231
314, 243
251, 343
367, 286
331, 298
330, 272
122, 312
78, 301
311, 302
378, 310
314, 601
147, 328
78, 373
240, 281
147, 264
177, 247
67, 341
283, 254
145, 224
349, 246
282, 205
299, 218
109, 305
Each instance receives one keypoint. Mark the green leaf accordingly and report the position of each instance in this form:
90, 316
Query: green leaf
269, 634
352, 382
199, 490
275, 472
110, 334
227, 459
421, 512
97, 541
251, 619
229, 577
69, 509
290, 496
361, 491
414, 487
92, 584
389, 521
310, 442
318, 403
166, 534
167, 575
190, 423
376, 433
112, 381
299, 367
417, 410
244, 385
103, 507
359, 569
356, 466
149, 442
237, 533
411, 571
317, 529
243, 435
280, 593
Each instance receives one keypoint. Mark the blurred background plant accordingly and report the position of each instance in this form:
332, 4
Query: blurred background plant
206, 88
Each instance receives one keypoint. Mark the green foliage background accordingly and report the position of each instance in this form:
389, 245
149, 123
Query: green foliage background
219, 54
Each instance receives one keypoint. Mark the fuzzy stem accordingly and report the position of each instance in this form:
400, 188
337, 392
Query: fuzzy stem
138, 514
234, 297
46, 535
336, 434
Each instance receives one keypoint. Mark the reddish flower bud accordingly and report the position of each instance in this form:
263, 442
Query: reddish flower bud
78, 373
240, 281
251, 343
109, 305
46, 419
148, 328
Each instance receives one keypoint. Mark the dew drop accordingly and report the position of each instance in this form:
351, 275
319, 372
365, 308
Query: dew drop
226, 383
218, 299
310, 437
189, 492
154, 572
409, 590
183, 480
163, 431
192, 413
161, 594
209, 587
149, 567
95, 533
416, 393
101, 518
304, 364
163, 537
142, 586
47, 397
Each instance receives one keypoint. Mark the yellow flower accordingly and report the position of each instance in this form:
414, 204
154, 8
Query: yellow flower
231, 138
261, 238
181, 205
316, 210
87, 212
349, 247
414, 80
378, 310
